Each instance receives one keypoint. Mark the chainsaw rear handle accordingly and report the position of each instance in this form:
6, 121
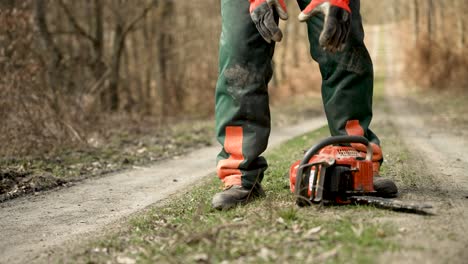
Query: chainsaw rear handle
337, 140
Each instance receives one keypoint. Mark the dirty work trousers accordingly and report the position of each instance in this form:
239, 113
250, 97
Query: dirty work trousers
245, 68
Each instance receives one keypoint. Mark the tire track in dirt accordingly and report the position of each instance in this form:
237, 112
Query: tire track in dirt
32, 227
441, 238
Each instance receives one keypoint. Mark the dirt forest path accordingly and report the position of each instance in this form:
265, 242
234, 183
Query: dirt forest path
32, 226
439, 170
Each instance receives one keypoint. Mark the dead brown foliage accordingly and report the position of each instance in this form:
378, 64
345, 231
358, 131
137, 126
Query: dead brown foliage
437, 66
73, 71
28, 113
63, 93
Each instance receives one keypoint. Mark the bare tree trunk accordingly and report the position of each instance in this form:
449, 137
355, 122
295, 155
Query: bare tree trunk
146, 93
395, 10
51, 49
99, 67
117, 49
286, 48
120, 33
176, 72
430, 34
131, 81
438, 18
461, 5
415, 21
47, 42
430, 18
164, 45
98, 43
164, 99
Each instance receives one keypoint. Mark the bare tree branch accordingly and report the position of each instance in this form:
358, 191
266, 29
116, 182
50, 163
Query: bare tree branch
81, 31
139, 17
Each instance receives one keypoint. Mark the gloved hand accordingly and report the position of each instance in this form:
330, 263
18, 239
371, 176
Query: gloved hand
337, 22
261, 12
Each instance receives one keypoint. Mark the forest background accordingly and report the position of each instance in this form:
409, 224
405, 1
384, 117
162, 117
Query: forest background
74, 72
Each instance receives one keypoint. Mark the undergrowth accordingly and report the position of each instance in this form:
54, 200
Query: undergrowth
433, 65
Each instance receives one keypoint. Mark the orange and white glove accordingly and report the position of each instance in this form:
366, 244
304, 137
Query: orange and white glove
262, 14
336, 25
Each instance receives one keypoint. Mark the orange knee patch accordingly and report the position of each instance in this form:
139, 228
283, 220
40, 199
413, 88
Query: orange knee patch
353, 128
228, 169
376, 150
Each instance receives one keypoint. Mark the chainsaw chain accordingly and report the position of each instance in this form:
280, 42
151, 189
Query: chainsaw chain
411, 207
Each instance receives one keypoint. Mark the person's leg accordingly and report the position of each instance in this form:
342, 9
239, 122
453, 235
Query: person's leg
347, 83
242, 107
347, 80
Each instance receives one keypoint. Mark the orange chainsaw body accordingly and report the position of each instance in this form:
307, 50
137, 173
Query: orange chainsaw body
332, 172
355, 173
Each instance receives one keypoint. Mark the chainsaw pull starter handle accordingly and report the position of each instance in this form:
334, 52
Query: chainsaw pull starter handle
337, 140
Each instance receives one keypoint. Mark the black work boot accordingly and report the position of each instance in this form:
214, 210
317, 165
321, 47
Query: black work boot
235, 195
385, 187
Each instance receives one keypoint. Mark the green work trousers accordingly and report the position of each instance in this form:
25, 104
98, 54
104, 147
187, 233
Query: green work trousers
242, 105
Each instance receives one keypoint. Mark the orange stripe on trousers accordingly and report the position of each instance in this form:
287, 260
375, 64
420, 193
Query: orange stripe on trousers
353, 128
228, 169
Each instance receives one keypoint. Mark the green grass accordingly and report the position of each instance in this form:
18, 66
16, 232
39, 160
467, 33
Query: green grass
187, 230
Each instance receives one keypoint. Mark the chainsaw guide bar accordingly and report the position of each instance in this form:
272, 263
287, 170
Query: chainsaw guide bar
332, 172
396, 205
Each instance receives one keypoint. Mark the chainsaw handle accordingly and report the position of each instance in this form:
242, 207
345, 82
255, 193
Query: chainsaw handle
337, 140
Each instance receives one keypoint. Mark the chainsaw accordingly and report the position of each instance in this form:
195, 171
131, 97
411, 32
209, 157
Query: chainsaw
332, 173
